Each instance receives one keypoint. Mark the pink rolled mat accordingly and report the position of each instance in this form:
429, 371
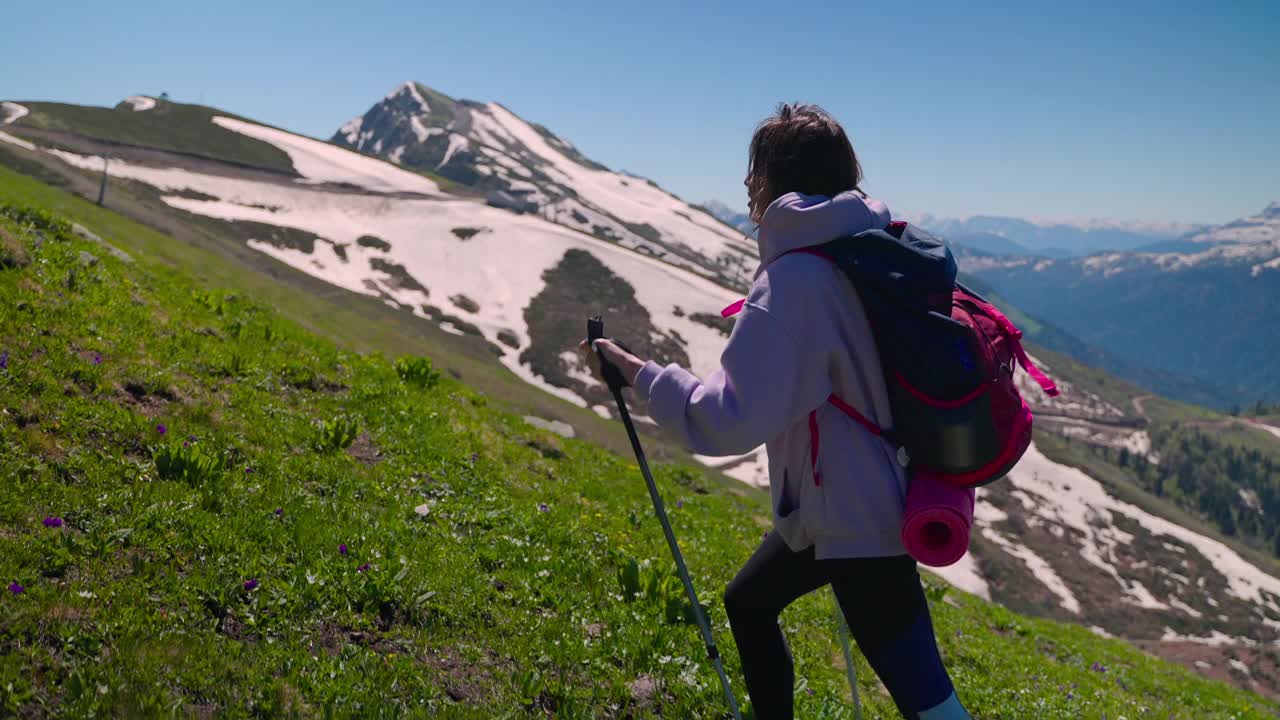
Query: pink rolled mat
935, 526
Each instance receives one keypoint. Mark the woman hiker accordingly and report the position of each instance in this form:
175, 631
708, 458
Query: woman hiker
801, 337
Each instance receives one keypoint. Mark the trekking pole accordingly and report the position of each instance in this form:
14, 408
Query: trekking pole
613, 378
842, 626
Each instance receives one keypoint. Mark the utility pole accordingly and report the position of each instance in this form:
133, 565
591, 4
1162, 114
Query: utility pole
102, 189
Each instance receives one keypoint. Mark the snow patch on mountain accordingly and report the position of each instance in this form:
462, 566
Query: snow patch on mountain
1039, 567
422, 131
1214, 638
140, 103
966, 575
1081, 512
456, 143
751, 468
1272, 264
1072, 499
409, 89
6, 137
11, 112
320, 162
1262, 228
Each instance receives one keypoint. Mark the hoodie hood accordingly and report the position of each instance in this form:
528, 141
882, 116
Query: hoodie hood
794, 221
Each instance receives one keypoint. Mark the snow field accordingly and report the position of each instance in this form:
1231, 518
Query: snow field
6, 137
11, 112
140, 103
319, 162
629, 198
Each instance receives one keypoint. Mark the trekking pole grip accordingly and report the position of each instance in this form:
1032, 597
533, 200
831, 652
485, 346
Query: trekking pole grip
612, 375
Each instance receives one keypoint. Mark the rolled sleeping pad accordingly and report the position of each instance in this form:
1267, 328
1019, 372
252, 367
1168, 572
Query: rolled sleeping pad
938, 517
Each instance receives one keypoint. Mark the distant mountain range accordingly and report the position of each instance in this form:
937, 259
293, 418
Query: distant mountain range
998, 235
1204, 309
736, 218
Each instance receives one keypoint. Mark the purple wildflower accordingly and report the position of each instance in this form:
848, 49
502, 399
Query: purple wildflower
1099, 667
186, 443
251, 583
363, 568
161, 429
543, 507
4, 360
53, 522
97, 358
474, 457
16, 589
279, 511
248, 470
679, 504
192, 438
342, 549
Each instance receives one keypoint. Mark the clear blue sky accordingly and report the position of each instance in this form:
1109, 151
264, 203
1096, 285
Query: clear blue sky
1156, 111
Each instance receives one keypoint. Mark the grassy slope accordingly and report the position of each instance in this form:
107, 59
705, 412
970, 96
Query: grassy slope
175, 127
167, 126
487, 607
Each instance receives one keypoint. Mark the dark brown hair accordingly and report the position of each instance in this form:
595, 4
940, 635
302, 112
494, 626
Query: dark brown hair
799, 149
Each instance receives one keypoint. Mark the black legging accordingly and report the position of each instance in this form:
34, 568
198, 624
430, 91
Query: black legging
882, 602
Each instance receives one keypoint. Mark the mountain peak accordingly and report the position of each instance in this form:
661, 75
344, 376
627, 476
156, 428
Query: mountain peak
525, 167
409, 89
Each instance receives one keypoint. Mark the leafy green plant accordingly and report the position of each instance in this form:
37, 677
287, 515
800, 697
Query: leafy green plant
661, 590
336, 434
235, 365
936, 591
417, 371
188, 462
35, 218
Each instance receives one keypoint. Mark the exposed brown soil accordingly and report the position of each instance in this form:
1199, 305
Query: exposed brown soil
364, 450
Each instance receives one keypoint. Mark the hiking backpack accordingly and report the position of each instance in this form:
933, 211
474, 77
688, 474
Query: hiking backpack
949, 358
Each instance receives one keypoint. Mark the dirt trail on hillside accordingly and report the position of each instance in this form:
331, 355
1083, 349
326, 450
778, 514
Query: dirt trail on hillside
1137, 405
1272, 429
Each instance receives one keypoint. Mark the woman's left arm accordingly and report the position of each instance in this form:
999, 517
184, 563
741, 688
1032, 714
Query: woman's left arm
765, 384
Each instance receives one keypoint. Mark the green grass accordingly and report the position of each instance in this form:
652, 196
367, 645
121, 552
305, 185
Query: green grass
168, 126
487, 562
